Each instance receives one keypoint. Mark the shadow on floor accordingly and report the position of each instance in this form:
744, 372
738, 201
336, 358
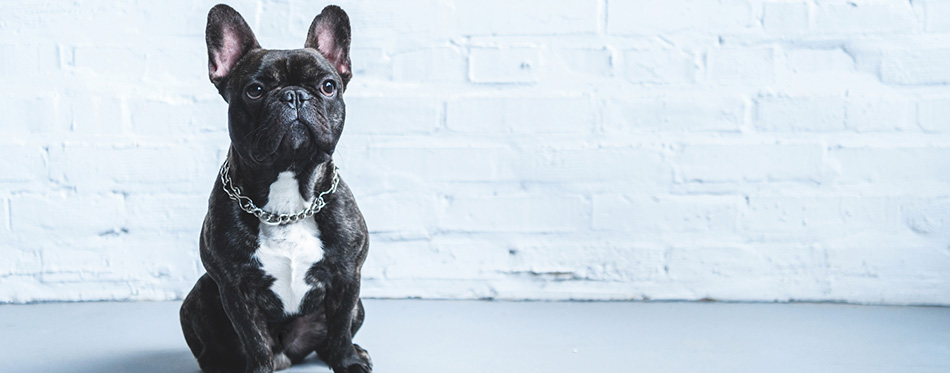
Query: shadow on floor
177, 361
166, 361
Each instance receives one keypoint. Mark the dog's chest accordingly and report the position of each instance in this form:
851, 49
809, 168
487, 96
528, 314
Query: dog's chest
287, 252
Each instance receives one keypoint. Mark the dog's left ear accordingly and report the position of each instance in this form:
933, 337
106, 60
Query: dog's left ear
330, 35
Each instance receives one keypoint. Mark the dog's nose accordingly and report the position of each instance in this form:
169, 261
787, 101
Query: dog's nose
294, 96
289, 96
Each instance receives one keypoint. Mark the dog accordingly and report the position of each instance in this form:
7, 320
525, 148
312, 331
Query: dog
283, 241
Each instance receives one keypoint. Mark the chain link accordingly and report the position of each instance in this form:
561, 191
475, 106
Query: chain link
269, 217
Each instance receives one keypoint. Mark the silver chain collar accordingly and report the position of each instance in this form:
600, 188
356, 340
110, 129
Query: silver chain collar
271, 218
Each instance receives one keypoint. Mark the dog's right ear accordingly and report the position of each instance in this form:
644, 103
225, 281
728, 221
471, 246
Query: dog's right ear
229, 38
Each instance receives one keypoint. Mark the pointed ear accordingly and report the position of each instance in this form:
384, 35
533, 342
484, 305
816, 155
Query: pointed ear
229, 38
330, 35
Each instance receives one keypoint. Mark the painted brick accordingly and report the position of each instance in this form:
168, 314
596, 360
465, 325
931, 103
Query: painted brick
659, 67
19, 261
586, 61
21, 61
33, 115
26, 288
934, 115
184, 20
703, 263
783, 272
63, 213
504, 65
936, 11
176, 117
812, 218
865, 16
165, 257
874, 290
401, 213
370, 63
496, 17
497, 115
675, 114
731, 66
166, 212
785, 16
440, 64
887, 261
928, 216
431, 164
658, 215
678, 16
392, 115
42, 20
880, 114
800, 114
586, 260
175, 63
540, 214
4, 214
22, 163
917, 66
274, 20
129, 167
749, 163
391, 263
891, 165
97, 115
102, 59
406, 23
628, 166
811, 61
77, 264
442, 260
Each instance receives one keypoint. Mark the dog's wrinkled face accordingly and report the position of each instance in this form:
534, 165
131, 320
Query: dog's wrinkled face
284, 105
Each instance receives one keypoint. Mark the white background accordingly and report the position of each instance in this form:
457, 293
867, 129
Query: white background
586, 149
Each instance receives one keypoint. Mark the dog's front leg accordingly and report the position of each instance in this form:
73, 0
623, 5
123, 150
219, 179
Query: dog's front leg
250, 327
338, 351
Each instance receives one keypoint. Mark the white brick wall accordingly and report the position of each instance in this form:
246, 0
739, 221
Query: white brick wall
588, 149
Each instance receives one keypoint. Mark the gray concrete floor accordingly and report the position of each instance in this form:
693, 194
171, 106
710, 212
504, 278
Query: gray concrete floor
472, 336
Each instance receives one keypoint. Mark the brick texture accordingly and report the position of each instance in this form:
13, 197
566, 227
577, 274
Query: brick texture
743, 150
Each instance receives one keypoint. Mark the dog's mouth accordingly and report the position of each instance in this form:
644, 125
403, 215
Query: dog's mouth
296, 140
297, 136
291, 131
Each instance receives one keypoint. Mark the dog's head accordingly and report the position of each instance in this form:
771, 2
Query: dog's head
284, 105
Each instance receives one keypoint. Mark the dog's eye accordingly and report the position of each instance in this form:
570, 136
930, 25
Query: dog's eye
328, 87
254, 91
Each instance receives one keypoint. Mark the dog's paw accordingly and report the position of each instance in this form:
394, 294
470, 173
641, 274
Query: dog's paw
358, 363
281, 361
355, 368
364, 355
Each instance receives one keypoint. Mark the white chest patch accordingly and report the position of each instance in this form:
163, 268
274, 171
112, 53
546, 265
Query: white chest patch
288, 251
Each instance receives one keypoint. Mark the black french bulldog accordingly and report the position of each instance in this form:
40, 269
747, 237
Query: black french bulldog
283, 241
